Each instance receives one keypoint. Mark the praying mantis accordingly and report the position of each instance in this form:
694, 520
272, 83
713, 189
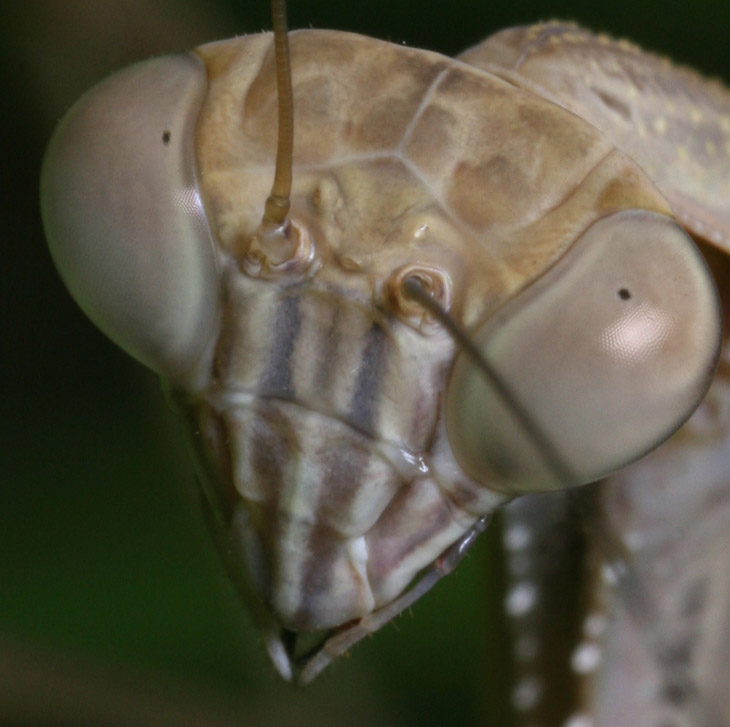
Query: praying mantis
327, 198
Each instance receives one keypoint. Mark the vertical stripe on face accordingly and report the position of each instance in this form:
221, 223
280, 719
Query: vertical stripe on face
328, 352
277, 378
320, 395
333, 355
364, 406
309, 510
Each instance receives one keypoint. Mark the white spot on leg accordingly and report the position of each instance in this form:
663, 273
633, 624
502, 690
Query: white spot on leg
520, 599
578, 720
526, 693
612, 572
635, 540
517, 537
585, 658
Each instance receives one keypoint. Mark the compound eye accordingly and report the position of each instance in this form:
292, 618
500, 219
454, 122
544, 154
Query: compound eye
123, 217
605, 355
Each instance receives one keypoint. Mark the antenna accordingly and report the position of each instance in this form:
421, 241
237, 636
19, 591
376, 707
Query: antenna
277, 205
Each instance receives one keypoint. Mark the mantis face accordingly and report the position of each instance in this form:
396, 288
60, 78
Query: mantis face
347, 441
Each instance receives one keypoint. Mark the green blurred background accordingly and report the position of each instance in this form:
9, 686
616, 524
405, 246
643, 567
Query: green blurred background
113, 608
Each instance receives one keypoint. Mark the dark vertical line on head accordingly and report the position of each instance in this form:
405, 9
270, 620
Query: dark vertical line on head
277, 205
341, 460
324, 549
363, 407
342, 478
327, 358
277, 377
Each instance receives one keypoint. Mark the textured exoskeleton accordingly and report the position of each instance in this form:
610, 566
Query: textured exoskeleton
346, 442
